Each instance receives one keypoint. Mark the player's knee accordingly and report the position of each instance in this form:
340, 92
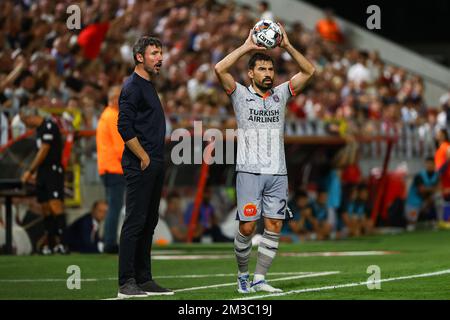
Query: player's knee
247, 229
274, 225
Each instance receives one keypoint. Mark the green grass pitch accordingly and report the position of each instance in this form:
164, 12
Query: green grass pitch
405, 273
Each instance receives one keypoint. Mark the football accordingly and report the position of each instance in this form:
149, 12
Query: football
267, 33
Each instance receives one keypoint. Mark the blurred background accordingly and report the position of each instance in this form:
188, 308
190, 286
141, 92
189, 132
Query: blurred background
359, 133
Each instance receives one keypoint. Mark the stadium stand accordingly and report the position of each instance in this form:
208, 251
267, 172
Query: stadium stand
354, 97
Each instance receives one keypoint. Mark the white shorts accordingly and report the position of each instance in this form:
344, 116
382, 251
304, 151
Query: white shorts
261, 194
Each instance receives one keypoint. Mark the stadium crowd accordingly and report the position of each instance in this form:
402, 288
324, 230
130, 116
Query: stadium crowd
46, 66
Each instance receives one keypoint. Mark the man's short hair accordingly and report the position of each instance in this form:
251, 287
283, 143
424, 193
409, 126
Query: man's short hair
97, 203
142, 44
429, 158
258, 57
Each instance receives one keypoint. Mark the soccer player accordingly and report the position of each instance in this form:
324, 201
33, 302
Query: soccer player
142, 125
261, 183
49, 179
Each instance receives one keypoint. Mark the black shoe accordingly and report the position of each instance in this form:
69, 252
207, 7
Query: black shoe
151, 288
130, 290
114, 249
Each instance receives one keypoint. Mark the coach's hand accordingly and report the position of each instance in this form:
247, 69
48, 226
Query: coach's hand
145, 162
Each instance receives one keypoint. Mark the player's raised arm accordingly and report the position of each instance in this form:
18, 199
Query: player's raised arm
299, 80
223, 66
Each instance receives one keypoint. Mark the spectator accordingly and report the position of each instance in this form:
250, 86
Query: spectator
197, 85
353, 215
362, 204
18, 127
444, 114
264, 10
420, 199
320, 207
332, 187
303, 225
329, 29
174, 219
207, 225
83, 235
359, 73
109, 155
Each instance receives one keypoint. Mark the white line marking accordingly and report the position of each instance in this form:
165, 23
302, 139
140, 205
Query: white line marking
216, 256
336, 253
347, 285
155, 277
304, 275
313, 274
193, 257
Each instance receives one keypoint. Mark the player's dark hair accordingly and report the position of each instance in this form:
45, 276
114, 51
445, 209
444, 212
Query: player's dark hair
258, 57
429, 158
142, 44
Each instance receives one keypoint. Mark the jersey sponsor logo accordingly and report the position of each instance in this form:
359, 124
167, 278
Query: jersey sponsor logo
250, 210
264, 116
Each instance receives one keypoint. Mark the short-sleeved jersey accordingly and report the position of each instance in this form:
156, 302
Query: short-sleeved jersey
48, 132
260, 121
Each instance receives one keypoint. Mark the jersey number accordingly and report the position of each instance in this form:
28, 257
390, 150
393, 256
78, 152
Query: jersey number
282, 210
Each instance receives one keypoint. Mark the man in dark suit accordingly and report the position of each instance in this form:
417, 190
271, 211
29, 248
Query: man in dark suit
83, 235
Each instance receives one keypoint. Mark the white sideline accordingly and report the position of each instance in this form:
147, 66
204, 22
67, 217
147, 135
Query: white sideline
155, 277
314, 274
304, 275
347, 285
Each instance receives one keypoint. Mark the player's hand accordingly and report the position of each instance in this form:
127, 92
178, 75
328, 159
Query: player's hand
145, 162
250, 45
285, 41
26, 176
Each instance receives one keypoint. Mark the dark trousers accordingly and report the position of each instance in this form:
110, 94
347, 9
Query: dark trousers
143, 193
114, 190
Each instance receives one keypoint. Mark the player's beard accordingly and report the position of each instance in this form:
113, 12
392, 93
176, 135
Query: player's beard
264, 85
152, 71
